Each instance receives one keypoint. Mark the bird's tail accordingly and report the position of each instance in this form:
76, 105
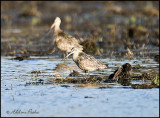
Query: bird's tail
103, 66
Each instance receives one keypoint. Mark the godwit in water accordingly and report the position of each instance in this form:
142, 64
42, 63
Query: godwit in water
86, 62
64, 41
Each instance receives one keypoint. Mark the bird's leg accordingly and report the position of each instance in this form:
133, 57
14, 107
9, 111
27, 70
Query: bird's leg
85, 73
66, 57
100, 71
88, 74
63, 59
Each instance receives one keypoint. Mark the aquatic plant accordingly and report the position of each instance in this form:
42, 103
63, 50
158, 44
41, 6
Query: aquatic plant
155, 81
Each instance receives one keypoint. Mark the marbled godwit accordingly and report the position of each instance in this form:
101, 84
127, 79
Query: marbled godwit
86, 62
64, 41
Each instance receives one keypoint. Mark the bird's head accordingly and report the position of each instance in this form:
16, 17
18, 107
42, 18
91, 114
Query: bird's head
74, 50
57, 21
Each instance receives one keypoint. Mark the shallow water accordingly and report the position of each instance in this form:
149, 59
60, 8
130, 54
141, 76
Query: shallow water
56, 100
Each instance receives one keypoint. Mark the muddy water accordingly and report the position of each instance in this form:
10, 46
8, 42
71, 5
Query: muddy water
48, 99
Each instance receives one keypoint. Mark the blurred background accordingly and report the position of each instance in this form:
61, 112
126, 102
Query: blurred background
105, 28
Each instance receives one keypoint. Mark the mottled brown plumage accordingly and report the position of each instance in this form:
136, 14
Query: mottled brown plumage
64, 41
86, 62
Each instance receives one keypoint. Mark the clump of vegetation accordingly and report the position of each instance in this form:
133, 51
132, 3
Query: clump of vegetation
38, 82
37, 72
155, 81
74, 73
90, 47
123, 76
79, 80
123, 72
156, 57
143, 86
21, 57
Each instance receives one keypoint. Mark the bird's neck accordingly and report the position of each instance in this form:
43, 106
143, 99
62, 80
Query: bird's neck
57, 29
75, 55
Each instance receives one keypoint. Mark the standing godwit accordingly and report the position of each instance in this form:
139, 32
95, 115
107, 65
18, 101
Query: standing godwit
86, 62
64, 41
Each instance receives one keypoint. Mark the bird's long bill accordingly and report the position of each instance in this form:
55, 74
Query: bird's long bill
69, 54
52, 26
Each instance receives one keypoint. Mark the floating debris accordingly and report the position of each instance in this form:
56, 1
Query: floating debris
34, 83
74, 73
79, 80
104, 87
66, 86
41, 80
37, 72
21, 57
88, 97
143, 86
156, 58
144, 76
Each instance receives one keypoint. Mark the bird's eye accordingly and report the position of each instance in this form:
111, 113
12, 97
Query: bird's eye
72, 49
